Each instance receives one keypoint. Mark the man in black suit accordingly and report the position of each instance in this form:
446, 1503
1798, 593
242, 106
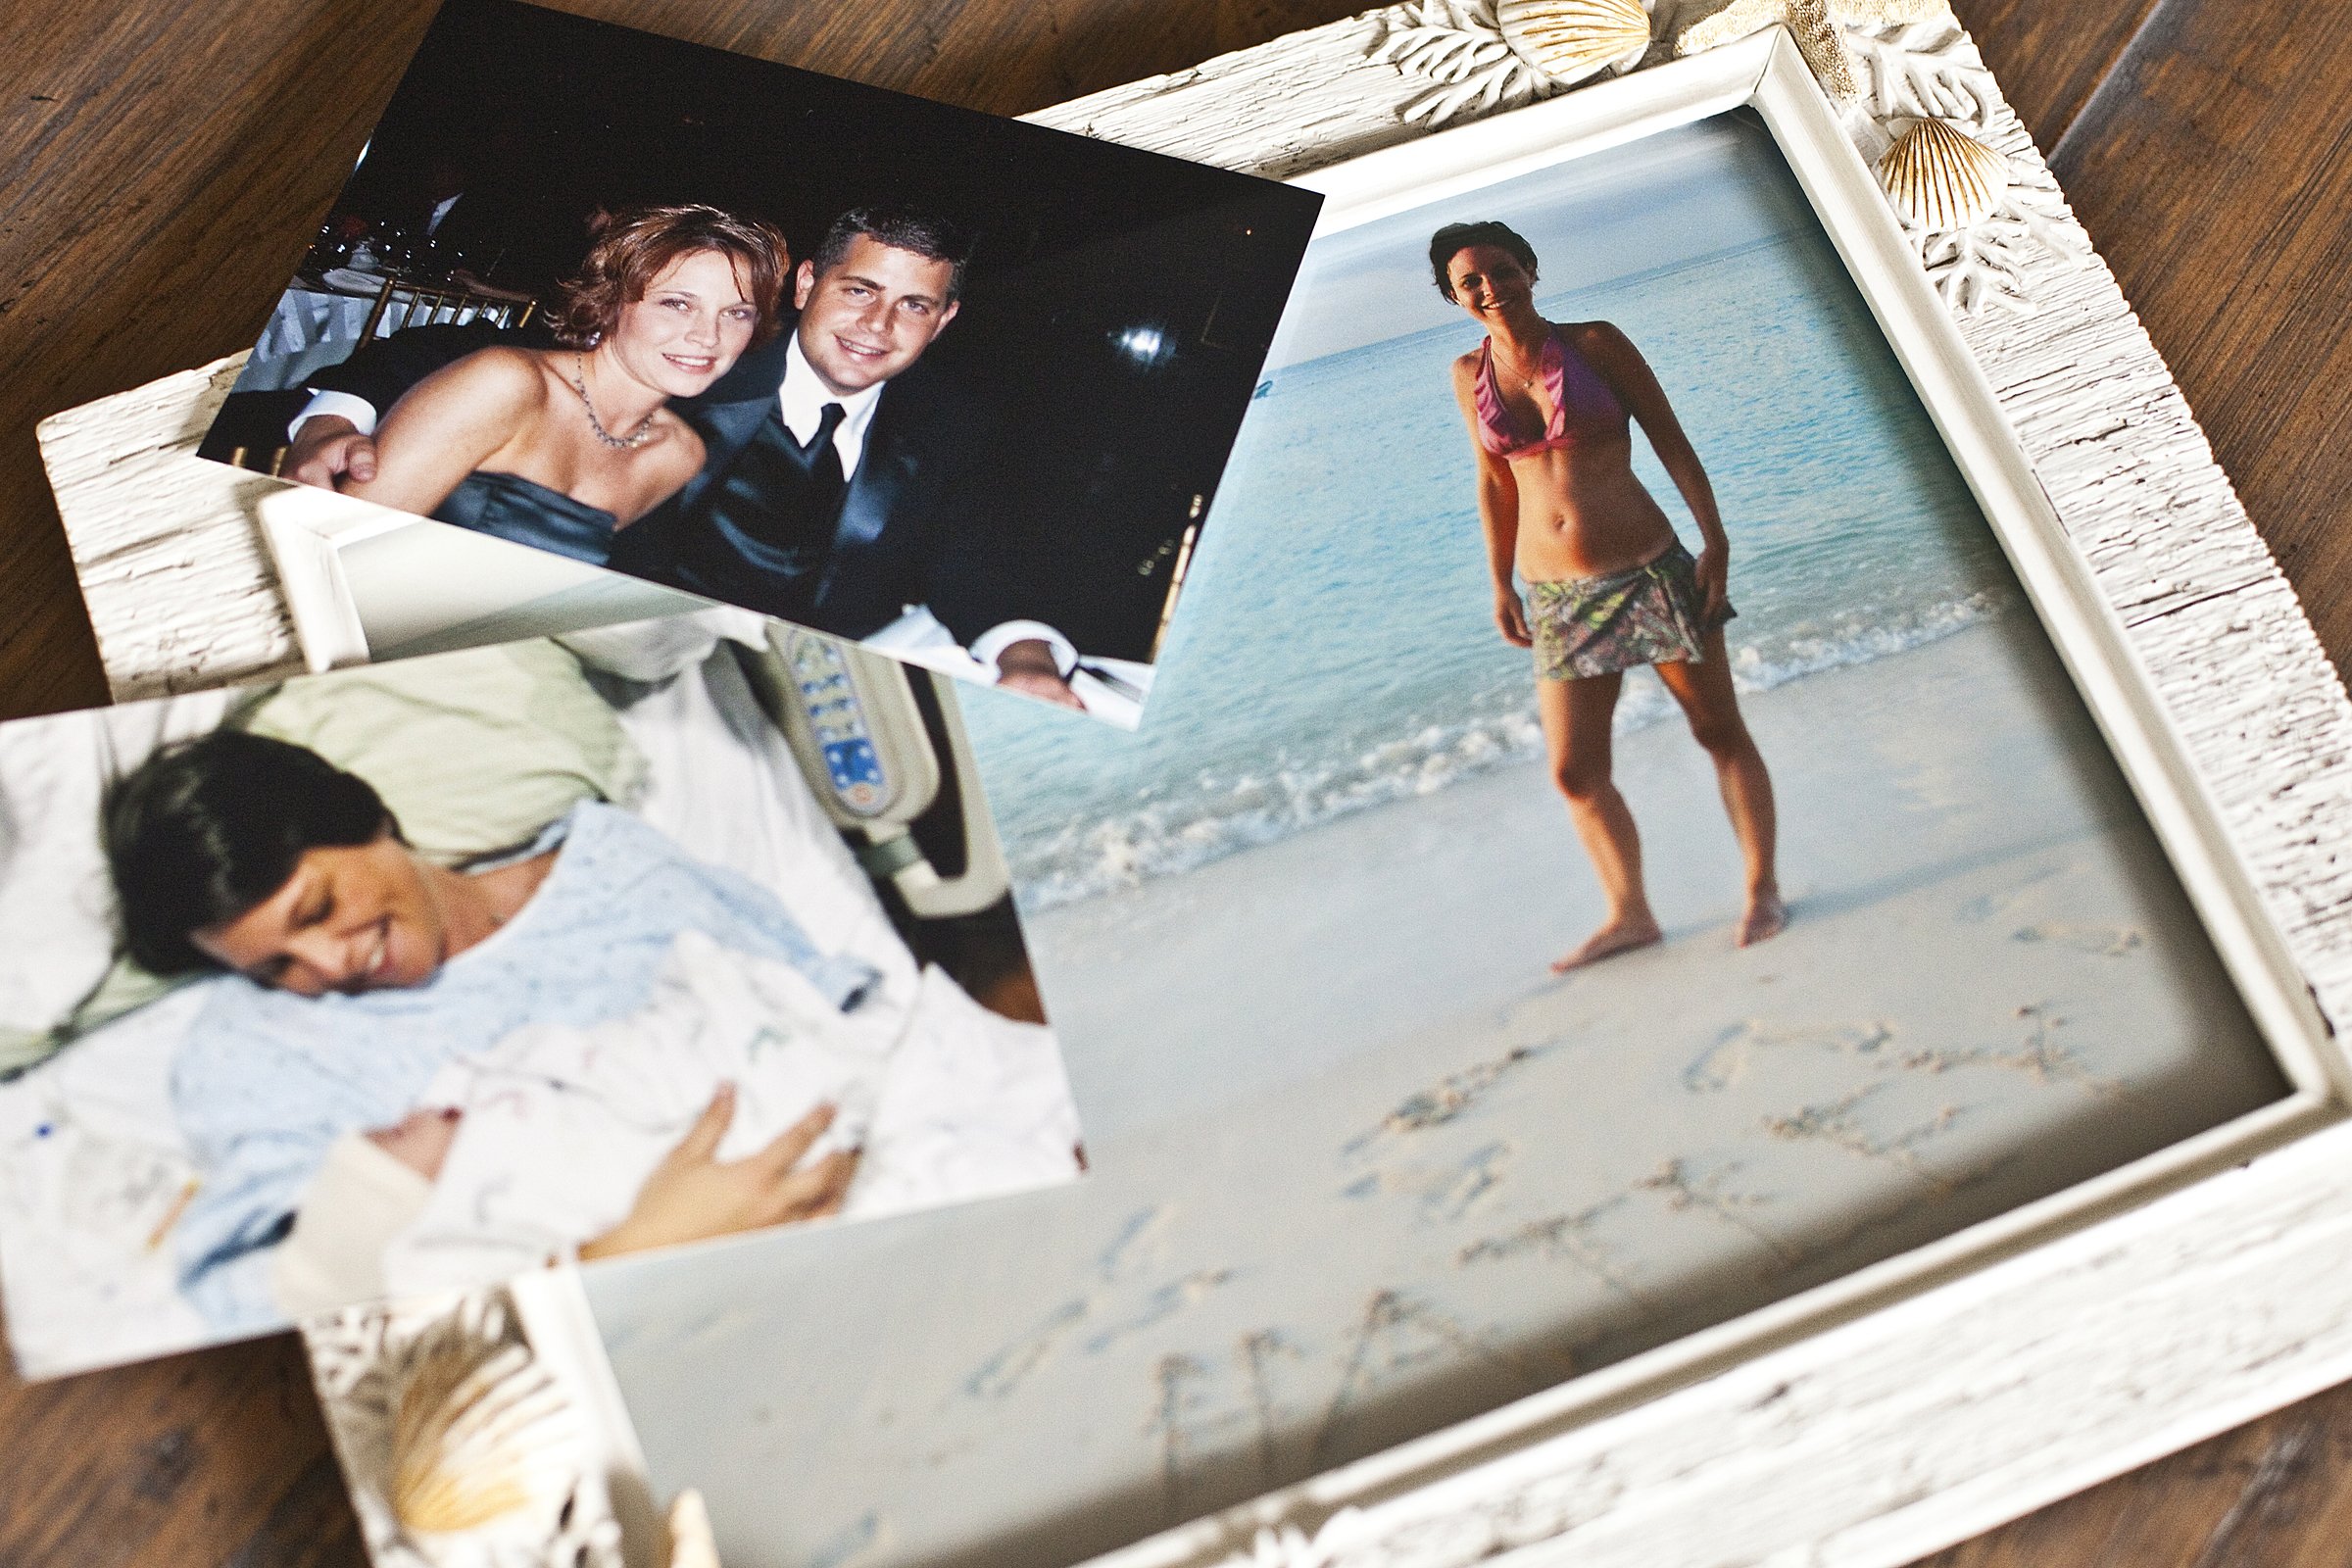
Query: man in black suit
838, 466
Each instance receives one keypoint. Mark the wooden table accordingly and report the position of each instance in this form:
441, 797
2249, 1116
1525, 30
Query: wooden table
167, 166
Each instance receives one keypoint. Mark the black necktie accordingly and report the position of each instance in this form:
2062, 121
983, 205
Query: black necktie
827, 484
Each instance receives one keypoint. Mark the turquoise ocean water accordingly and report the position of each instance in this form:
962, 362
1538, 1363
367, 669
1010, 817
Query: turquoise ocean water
1335, 648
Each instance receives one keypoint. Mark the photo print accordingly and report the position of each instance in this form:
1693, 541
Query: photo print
1612, 654
1319, 939
1363, 1164
955, 386
420, 975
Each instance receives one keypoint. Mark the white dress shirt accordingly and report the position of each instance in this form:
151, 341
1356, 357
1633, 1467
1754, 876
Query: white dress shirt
802, 399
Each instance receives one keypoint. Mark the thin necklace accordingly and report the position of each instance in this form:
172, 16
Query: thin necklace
1495, 351
618, 443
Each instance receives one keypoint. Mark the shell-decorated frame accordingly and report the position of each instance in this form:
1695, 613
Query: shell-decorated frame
1933, 1396
1991, 1381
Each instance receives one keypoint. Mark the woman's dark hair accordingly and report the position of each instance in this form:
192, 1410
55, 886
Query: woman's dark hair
901, 227
632, 248
1454, 238
203, 831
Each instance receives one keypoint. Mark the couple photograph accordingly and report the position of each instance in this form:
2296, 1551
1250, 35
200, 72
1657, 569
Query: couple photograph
953, 386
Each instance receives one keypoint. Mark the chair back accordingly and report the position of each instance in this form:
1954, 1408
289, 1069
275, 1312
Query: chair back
402, 303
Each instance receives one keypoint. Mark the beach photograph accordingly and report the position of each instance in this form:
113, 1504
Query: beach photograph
1366, 1156
1356, 770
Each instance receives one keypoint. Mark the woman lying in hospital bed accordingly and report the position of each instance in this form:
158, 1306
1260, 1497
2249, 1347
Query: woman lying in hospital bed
642, 1048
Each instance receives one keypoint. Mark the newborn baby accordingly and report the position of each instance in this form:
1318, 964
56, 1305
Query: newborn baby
531, 1149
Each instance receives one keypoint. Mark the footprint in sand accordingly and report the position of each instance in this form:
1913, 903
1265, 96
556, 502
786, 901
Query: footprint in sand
1985, 906
1733, 1052
1442, 1101
853, 1546
2102, 941
1444, 1193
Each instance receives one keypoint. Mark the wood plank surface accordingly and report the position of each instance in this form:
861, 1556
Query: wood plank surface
163, 167
2211, 159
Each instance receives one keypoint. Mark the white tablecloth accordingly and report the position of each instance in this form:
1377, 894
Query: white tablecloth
309, 330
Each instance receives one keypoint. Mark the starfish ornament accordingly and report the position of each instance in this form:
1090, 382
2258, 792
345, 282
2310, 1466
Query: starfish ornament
1816, 24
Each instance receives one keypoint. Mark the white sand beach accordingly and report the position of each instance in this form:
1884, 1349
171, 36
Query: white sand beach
1950, 853
1363, 1166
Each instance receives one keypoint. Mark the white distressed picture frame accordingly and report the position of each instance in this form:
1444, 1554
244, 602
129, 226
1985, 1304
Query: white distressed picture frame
2002, 1385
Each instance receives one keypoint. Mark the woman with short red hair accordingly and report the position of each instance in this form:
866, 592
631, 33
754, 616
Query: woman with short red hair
562, 448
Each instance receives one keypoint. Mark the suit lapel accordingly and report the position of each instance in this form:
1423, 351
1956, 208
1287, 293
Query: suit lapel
879, 534
866, 548
885, 469
729, 415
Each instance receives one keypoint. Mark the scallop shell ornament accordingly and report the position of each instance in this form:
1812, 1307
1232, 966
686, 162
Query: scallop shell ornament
482, 1437
1941, 177
1569, 40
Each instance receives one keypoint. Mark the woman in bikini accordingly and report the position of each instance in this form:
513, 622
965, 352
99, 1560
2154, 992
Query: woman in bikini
1549, 407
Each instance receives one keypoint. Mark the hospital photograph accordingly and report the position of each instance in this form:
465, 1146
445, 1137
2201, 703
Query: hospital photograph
422, 975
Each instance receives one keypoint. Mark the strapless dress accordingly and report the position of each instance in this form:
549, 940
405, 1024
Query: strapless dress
511, 506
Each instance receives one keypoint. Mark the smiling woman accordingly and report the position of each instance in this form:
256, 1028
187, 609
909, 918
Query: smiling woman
356, 918
562, 448
1550, 407
305, 887
372, 967
191, 852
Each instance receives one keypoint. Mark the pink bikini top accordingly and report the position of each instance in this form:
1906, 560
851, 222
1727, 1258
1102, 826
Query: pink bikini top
1582, 407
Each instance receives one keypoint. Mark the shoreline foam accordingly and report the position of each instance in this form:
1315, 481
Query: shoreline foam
1221, 815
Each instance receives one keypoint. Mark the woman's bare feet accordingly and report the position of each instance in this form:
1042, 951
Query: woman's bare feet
1762, 920
1621, 935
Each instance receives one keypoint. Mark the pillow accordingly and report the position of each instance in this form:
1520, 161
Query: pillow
475, 751
56, 905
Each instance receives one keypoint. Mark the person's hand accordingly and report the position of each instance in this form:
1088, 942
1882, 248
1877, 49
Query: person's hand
1027, 666
327, 450
1047, 687
693, 1195
1713, 570
1510, 616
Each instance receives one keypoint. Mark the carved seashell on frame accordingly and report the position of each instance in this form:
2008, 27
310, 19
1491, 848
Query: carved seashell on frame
1569, 40
482, 1437
1939, 178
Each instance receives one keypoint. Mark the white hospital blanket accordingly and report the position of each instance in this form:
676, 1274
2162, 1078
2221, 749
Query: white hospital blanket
563, 1124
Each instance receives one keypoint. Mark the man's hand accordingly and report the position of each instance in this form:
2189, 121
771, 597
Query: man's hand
1027, 666
328, 448
692, 1196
